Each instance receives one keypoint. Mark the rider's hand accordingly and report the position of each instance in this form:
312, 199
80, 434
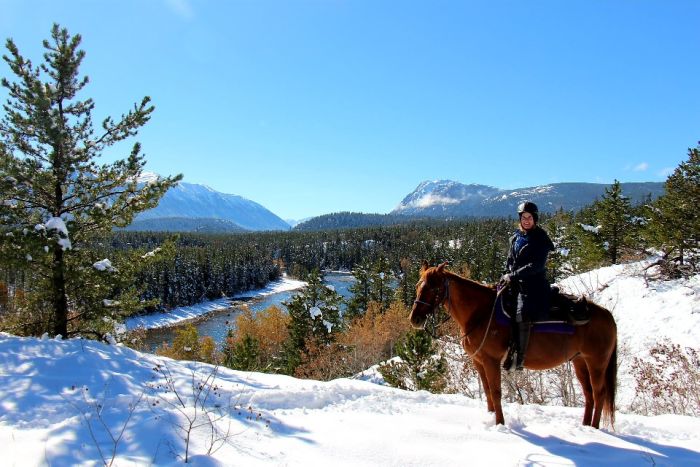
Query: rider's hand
505, 280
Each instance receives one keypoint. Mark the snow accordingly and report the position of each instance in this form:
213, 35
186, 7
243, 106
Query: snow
178, 315
65, 402
56, 223
591, 228
104, 265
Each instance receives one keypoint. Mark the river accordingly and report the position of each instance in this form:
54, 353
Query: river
217, 323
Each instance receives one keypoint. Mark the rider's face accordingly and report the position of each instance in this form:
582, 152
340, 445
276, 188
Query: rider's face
526, 221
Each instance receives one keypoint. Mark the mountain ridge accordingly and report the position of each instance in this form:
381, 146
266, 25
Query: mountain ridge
196, 201
447, 198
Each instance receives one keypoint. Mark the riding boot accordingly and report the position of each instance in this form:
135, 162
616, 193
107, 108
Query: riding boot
509, 362
523, 340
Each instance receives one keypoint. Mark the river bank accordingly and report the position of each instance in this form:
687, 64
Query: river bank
181, 314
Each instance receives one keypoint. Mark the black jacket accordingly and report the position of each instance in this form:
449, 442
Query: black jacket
527, 270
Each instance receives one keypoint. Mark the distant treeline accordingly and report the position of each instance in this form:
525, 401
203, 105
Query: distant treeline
207, 266
345, 219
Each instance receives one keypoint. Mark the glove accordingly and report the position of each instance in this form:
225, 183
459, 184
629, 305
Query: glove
505, 280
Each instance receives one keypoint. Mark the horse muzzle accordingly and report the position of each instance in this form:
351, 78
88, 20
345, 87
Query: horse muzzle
417, 317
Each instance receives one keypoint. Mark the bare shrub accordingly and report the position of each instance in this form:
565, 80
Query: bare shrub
93, 411
667, 382
557, 386
197, 406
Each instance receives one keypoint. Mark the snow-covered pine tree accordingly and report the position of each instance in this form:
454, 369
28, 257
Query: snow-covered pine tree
56, 197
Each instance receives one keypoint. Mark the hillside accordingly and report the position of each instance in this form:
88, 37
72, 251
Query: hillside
346, 220
81, 402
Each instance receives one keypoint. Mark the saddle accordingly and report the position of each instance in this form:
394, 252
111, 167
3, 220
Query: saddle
571, 308
564, 308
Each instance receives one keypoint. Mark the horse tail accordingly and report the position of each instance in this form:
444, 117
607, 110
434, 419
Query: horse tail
610, 388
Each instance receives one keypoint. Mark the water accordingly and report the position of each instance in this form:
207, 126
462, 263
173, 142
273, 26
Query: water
218, 323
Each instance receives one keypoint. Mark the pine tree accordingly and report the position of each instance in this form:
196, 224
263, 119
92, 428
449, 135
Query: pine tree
360, 289
676, 215
56, 198
314, 315
381, 279
421, 366
613, 213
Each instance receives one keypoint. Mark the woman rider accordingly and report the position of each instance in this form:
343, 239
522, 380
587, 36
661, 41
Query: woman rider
529, 247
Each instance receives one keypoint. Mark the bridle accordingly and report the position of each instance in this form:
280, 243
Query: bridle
446, 297
440, 294
437, 299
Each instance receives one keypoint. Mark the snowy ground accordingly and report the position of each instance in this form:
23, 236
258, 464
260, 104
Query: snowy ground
66, 403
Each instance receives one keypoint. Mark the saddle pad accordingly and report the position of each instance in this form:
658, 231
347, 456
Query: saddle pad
553, 327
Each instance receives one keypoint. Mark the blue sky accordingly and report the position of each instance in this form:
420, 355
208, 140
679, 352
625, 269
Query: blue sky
317, 106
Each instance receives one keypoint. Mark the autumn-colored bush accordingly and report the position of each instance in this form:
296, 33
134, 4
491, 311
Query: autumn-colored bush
257, 341
372, 337
187, 345
323, 361
368, 340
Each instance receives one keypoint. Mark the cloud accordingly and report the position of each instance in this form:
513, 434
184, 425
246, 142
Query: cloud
182, 8
665, 172
641, 167
432, 199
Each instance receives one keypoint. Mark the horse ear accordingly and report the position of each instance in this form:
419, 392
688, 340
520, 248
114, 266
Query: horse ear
441, 267
423, 266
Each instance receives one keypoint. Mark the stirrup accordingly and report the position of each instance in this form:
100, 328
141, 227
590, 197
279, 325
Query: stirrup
509, 362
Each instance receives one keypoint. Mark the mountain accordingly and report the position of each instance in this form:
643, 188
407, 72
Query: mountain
193, 201
447, 198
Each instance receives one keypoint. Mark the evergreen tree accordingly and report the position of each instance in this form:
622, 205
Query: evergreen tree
558, 226
582, 242
361, 292
56, 198
614, 215
381, 279
675, 219
421, 366
243, 355
314, 315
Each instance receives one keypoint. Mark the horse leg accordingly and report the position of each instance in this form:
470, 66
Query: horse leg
485, 383
492, 368
584, 379
598, 385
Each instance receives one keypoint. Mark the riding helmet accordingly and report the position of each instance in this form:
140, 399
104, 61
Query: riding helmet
528, 206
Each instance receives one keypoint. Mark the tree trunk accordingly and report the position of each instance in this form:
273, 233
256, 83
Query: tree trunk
60, 301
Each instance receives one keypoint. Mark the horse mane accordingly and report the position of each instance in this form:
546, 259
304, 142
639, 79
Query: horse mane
469, 282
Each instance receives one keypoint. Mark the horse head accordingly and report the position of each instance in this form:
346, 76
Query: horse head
431, 291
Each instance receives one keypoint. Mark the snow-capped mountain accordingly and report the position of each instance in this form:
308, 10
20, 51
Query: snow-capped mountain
447, 198
189, 200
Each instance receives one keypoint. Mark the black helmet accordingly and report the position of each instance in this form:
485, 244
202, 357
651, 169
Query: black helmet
528, 206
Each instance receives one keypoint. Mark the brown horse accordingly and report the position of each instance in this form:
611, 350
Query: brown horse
592, 347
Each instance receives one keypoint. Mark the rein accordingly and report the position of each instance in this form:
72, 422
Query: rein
465, 337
